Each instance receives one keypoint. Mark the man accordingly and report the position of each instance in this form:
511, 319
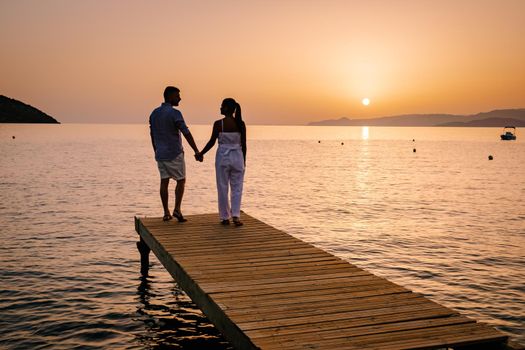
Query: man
166, 125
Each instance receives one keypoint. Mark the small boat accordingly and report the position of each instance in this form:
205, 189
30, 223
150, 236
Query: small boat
508, 134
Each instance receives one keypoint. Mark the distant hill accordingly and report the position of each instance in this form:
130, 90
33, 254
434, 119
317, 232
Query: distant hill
14, 111
497, 118
518, 113
488, 122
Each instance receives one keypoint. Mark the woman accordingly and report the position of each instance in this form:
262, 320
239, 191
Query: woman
230, 160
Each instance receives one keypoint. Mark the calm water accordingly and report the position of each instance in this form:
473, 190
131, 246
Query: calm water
444, 221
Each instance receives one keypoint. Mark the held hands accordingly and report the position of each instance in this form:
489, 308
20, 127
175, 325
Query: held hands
199, 157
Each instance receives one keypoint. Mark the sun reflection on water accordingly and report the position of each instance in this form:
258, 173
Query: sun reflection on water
364, 132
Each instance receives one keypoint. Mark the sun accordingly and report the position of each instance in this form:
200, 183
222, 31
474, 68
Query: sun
365, 101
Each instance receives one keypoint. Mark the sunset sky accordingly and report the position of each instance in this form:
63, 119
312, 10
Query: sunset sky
286, 62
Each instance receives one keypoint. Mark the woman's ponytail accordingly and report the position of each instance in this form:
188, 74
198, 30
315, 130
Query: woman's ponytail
238, 116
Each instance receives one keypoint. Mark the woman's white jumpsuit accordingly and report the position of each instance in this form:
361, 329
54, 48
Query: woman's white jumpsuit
229, 170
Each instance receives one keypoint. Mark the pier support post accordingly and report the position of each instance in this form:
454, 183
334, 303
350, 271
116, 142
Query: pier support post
144, 250
144, 256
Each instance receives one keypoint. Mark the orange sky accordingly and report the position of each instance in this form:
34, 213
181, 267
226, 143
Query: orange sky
286, 62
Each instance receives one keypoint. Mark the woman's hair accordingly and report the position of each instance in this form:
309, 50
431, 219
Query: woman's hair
234, 106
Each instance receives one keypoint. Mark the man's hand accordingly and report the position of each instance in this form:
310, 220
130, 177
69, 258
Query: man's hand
199, 157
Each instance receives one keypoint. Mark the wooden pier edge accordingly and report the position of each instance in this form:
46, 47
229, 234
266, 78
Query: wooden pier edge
229, 330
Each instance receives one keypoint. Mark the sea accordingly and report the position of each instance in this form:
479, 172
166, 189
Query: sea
423, 207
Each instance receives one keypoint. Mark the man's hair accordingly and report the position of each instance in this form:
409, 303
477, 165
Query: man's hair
168, 91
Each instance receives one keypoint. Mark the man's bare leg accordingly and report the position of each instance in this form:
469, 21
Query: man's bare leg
164, 197
179, 193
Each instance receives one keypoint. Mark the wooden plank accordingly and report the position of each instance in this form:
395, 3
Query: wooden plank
440, 336
252, 247
187, 244
253, 254
272, 288
279, 291
298, 331
218, 238
284, 342
308, 310
259, 262
206, 229
264, 272
320, 265
302, 271
304, 295
349, 294
218, 231
318, 277
366, 303
232, 259
263, 288
432, 309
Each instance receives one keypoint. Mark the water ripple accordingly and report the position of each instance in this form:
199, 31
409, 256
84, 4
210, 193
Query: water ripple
445, 223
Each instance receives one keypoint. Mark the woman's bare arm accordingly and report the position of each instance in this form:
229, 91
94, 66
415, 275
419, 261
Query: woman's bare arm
213, 138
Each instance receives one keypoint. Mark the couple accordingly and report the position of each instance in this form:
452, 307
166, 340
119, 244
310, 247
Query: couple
166, 125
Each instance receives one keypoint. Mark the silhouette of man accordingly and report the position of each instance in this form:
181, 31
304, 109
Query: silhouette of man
166, 125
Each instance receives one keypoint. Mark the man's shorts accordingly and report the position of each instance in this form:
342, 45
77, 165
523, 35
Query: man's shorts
175, 168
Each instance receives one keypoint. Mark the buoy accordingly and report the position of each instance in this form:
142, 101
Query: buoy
13, 137
414, 150
413, 140
342, 143
319, 141
491, 157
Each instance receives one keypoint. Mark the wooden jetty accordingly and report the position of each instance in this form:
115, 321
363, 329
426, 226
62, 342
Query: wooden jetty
264, 289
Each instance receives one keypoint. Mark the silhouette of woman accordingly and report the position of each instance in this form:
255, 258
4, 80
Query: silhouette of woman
230, 160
